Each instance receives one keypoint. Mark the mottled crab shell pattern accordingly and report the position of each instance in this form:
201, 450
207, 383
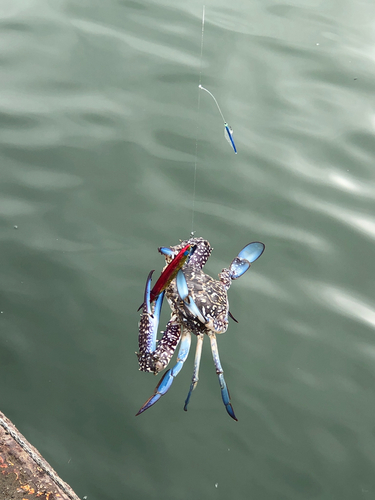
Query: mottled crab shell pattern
199, 256
209, 295
159, 359
199, 305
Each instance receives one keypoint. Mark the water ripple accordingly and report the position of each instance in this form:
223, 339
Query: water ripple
339, 300
358, 221
140, 44
255, 222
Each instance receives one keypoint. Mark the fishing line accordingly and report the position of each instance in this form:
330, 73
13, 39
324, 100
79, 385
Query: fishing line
228, 131
197, 129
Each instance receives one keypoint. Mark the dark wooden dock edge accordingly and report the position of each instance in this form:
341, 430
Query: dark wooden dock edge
25, 475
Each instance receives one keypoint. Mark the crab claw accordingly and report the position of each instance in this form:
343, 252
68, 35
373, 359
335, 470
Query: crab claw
162, 387
168, 377
183, 292
247, 255
148, 328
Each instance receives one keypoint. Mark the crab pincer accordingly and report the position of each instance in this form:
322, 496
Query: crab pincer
169, 272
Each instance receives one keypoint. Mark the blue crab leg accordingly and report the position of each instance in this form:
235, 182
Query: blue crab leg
197, 360
220, 372
250, 253
167, 380
183, 292
166, 251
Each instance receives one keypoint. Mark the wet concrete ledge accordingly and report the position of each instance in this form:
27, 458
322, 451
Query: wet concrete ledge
25, 474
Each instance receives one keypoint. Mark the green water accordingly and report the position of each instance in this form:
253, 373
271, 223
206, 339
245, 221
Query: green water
98, 125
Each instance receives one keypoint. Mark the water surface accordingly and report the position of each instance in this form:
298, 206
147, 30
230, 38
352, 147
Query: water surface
99, 121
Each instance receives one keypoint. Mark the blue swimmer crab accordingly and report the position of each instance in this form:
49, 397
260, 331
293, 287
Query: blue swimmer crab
199, 305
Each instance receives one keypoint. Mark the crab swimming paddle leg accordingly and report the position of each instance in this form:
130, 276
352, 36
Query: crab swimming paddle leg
249, 254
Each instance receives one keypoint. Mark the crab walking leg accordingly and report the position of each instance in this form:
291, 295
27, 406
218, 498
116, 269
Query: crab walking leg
197, 360
183, 292
220, 372
167, 380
